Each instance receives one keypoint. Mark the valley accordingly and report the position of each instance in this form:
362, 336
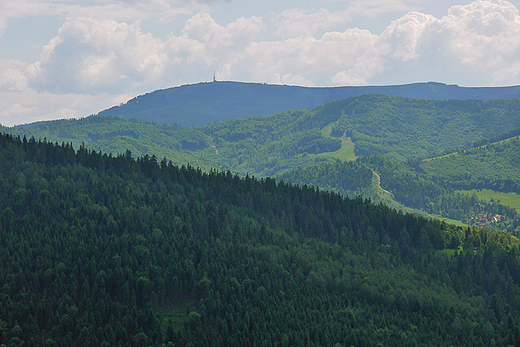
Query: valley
369, 220
204, 173
286, 144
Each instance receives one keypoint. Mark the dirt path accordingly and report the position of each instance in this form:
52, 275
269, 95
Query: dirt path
379, 183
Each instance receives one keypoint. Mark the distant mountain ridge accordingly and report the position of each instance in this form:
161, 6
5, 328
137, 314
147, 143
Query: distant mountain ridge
202, 103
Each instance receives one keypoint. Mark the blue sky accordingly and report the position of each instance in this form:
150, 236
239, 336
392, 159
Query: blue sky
70, 59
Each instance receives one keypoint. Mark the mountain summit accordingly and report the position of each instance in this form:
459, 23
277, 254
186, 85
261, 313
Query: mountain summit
206, 102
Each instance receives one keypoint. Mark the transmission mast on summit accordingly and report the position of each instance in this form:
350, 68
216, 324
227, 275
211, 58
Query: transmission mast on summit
214, 79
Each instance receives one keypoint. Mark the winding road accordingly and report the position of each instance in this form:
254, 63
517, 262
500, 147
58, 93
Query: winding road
379, 183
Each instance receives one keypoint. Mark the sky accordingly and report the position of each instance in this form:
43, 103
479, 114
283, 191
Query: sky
70, 59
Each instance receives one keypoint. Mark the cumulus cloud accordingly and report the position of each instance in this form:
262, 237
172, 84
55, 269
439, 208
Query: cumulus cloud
297, 22
13, 80
206, 45
406, 34
19, 9
31, 106
350, 57
90, 56
66, 113
162, 11
93, 56
12, 77
485, 36
480, 38
16, 111
202, 28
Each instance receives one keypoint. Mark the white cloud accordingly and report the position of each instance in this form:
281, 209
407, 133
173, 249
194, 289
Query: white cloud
121, 11
65, 113
204, 29
11, 76
350, 57
13, 80
205, 46
405, 34
21, 8
100, 55
485, 37
31, 106
92, 56
299, 22
295, 22
480, 38
16, 112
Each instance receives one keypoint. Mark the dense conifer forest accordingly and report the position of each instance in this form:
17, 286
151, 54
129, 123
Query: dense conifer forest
102, 250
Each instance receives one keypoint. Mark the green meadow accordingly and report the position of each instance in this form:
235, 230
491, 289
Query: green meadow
508, 199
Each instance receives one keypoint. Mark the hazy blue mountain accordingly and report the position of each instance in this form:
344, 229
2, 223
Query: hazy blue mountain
203, 103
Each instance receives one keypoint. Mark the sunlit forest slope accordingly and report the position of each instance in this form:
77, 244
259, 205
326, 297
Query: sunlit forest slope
398, 127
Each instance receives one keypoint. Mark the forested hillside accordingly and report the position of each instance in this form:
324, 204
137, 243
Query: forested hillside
100, 250
416, 128
495, 166
203, 103
398, 127
410, 185
347, 178
260, 145
115, 136
312, 141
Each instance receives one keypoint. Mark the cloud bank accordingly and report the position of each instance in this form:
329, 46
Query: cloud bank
92, 56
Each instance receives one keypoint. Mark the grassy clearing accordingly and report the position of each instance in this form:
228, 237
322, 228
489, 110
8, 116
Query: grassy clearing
327, 130
346, 152
447, 220
508, 199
